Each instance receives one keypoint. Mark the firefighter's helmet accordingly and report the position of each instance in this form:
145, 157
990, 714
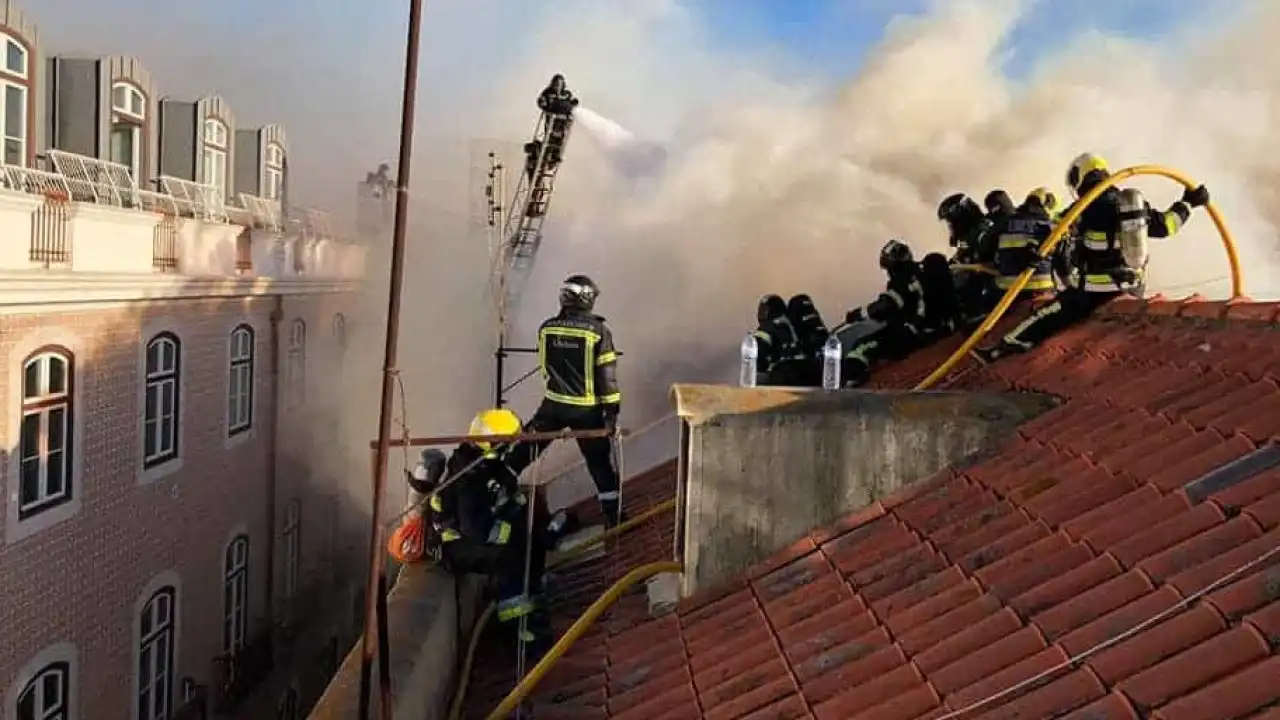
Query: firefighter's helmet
895, 254
579, 292
1046, 197
1081, 168
498, 421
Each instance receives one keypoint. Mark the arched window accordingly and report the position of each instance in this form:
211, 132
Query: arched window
273, 171
217, 142
292, 548
235, 595
48, 695
160, 406
155, 655
297, 359
240, 381
45, 443
15, 99
128, 126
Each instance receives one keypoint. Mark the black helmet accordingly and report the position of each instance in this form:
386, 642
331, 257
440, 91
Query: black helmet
998, 201
579, 292
770, 307
958, 210
895, 254
798, 304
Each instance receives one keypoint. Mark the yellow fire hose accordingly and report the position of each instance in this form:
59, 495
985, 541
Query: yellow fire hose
577, 630
464, 673
1233, 259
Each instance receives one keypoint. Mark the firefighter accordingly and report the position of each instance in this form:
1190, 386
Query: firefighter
579, 367
1108, 251
1018, 245
781, 356
999, 205
480, 519
904, 311
556, 99
531, 151
812, 333
972, 234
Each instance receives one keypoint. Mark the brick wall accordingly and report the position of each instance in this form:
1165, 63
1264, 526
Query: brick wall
75, 577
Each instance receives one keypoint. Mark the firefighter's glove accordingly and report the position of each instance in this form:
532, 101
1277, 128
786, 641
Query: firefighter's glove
1196, 197
855, 315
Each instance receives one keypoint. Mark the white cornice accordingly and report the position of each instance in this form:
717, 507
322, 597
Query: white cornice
52, 290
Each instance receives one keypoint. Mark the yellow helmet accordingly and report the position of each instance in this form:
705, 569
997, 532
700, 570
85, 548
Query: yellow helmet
1080, 168
498, 421
1048, 200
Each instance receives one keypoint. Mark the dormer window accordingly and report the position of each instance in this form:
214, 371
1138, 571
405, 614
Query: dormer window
128, 127
273, 172
15, 106
214, 158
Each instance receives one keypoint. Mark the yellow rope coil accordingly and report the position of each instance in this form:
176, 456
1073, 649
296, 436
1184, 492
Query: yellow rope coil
1060, 231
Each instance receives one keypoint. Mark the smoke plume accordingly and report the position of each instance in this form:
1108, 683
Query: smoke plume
771, 179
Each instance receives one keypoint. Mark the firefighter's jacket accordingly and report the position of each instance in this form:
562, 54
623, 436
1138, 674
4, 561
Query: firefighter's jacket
777, 342
1019, 239
578, 361
1099, 264
480, 499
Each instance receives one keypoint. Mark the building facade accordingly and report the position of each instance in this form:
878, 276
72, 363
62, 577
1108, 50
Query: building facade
173, 338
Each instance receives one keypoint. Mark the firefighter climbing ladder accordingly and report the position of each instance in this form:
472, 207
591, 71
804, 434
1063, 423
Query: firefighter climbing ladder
527, 210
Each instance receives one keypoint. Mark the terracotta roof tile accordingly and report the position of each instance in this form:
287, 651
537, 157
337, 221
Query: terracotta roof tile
1093, 534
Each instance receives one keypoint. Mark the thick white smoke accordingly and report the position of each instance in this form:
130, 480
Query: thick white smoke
775, 181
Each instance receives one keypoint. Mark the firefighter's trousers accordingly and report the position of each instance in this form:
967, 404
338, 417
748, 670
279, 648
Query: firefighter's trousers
891, 342
597, 452
1069, 307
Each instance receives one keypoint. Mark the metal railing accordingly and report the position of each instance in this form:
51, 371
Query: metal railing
196, 707
164, 244
194, 199
94, 180
261, 212
244, 251
240, 674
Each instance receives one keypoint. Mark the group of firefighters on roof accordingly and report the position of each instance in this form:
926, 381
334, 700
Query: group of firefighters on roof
1102, 256
468, 510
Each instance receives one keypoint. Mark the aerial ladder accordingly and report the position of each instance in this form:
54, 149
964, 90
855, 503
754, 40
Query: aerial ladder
521, 234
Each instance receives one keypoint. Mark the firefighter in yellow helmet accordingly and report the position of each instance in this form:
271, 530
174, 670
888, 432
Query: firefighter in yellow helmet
480, 520
1107, 251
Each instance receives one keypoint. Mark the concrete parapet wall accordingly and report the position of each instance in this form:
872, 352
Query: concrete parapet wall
761, 467
424, 625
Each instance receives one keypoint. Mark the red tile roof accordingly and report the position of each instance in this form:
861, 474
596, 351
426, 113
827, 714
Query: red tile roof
1119, 559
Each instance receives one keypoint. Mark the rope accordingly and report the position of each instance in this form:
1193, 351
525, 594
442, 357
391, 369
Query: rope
1073, 662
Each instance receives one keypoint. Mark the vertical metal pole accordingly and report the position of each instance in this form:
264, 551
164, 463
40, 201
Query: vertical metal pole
377, 558
499, 369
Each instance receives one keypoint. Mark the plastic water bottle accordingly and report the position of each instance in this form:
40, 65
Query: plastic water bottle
832, 354
750, 358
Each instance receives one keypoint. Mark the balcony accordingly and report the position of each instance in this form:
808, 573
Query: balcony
83, 214
239, 674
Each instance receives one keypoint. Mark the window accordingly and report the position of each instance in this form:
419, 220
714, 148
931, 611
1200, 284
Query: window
155, 655
235, 595
45, 448
292, 547
240, 382
214, 160
273, 172
160, 406
48, 695
297, 363
128, 123
15, 108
